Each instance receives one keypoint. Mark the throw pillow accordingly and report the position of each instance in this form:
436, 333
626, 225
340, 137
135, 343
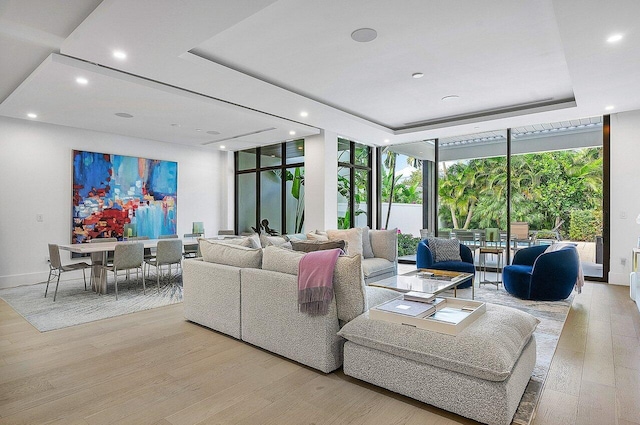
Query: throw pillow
266, 240
231, 255
232, 241
255, 240
367, 251
384, 244
278, 259
312, 236
446, 250
352, 237
309, 246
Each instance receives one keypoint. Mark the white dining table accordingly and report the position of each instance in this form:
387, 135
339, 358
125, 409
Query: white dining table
99, 284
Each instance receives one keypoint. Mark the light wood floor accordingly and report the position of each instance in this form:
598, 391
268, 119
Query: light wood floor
153, 367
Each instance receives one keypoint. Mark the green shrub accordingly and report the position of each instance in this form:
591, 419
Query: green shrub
584, 225
407, 244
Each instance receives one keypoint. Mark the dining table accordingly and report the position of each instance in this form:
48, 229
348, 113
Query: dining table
99, 284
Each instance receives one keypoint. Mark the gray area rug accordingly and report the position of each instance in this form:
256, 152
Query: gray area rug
552, 315
74, 305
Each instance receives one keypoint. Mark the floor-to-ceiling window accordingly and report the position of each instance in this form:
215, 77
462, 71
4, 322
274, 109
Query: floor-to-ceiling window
557, 186
555, 190
270, 186
354, 184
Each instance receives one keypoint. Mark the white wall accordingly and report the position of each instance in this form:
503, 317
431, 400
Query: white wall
321, 181
625, 192
36, 178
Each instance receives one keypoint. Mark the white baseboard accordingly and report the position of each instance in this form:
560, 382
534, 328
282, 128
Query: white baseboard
38, 277
619, 279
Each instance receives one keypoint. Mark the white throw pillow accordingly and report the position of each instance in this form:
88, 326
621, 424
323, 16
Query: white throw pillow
352, 237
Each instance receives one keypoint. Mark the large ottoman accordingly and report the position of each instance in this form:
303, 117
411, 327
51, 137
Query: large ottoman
481, 373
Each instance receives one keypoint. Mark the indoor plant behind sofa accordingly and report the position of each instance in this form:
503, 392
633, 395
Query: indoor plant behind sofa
253, 297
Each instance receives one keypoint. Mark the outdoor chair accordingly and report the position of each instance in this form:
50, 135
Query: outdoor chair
56, 269
425, 260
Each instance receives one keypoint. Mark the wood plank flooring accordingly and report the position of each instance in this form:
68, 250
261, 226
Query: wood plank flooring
153, 367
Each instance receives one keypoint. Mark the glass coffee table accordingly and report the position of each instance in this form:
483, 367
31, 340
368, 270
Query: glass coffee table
426, 280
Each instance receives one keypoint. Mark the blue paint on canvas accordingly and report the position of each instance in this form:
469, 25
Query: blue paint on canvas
121, 196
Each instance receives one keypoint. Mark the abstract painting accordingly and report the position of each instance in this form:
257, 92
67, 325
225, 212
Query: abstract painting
122, 196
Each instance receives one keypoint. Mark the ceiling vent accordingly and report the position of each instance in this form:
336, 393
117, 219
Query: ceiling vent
239, 136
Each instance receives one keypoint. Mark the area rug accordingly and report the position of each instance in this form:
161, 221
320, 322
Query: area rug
552, 315
74, 305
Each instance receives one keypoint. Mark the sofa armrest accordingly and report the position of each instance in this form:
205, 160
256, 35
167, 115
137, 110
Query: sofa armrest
384, 244
424, 257
212, 295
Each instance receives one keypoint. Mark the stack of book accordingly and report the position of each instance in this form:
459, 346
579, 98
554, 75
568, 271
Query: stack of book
402, 308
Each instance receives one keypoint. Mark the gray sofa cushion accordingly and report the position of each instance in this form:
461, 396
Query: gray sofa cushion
348, 281
231, 255
486, 349
372, 267
377, 295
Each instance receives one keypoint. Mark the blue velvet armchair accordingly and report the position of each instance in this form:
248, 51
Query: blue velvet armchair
538, 275
424, 260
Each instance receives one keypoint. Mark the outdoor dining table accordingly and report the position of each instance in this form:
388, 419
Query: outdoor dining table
99, 284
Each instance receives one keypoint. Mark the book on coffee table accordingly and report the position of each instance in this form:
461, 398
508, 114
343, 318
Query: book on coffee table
404, 308
422, 297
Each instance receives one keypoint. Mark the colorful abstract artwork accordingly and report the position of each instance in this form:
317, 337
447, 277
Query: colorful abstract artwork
122, 196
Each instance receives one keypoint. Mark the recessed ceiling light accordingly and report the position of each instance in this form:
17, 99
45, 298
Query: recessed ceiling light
292, 133
386, 140
123, 115
364, 35
83, 81
222, 146
198, 129
609, 108
175, 125
304, 114
450, 97
614, 38
417, 75
32, 115
213, 132
119, 54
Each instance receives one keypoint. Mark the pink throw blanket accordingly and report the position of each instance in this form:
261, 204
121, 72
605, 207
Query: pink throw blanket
315, 281
580, 280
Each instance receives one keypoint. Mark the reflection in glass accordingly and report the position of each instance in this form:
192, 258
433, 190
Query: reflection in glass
344, 151
247, 159
246, 195
271, 156
295, 152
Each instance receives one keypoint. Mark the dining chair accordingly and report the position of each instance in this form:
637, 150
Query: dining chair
148, 252
56, 268
169, 252
128, 256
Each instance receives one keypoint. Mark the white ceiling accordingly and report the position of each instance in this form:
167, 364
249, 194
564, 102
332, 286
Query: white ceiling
240, 66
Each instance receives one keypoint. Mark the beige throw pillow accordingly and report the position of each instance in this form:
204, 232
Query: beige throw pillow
352, 237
